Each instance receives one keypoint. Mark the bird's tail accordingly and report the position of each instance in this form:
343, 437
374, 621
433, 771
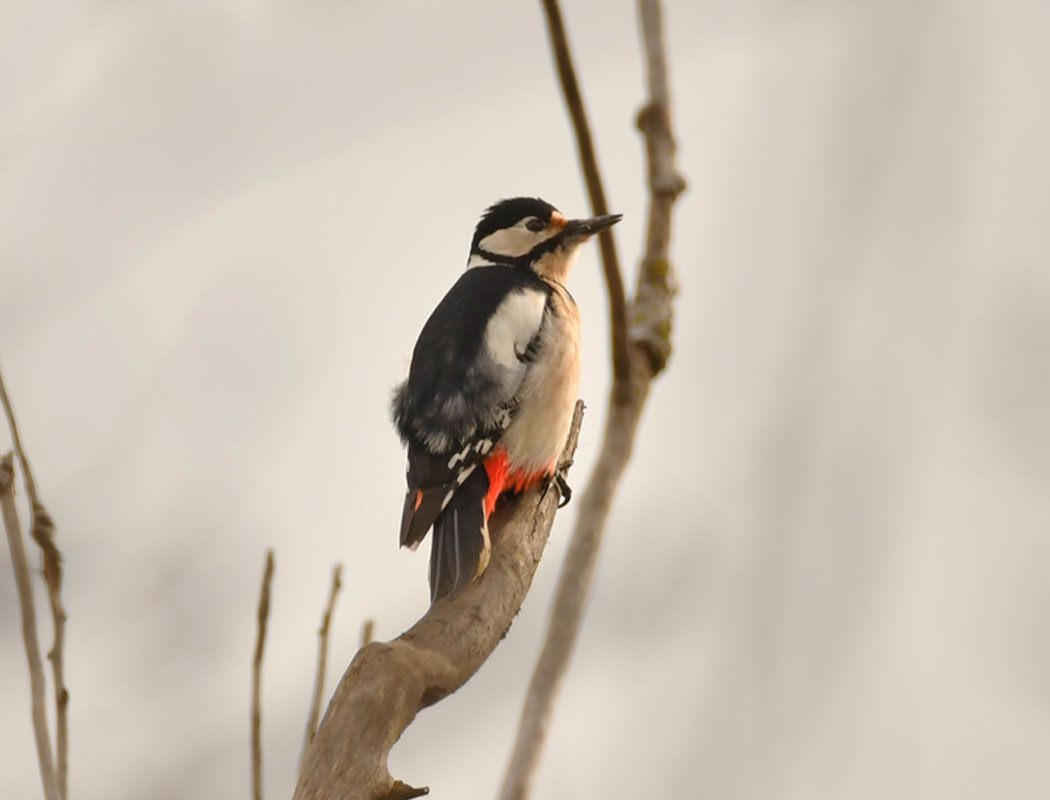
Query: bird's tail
460, 548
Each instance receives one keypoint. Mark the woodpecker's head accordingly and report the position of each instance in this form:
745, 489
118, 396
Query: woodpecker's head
529, 232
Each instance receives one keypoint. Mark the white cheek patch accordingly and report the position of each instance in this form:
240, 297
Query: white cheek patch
514, 242
512, 327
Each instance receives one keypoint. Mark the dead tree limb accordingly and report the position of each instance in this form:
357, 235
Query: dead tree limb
262, 617
322, 662
651, 313
37, 682
42, 529
388, 683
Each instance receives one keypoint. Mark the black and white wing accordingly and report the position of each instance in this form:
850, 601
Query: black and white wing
467, 365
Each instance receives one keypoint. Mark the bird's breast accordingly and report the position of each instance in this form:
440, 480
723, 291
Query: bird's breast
547, 396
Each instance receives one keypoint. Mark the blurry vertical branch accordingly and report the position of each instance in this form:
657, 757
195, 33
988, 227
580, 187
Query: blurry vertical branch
54, 776
650, 315
262, 617
595, 190
37, 683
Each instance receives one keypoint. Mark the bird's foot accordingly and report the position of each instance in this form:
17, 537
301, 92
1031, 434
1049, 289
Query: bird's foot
563, 489
562, 480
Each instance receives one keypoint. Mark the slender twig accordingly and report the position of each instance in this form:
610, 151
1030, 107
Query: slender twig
388, 683
16, 439
368, 631
37, 682
262, 617
651, 313
322, 662
42, 529
595, 190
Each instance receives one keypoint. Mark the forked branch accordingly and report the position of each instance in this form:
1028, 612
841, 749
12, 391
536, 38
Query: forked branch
42, 529
37, 683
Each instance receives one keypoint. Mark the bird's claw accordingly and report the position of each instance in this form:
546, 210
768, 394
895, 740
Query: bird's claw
563, 486
558, 479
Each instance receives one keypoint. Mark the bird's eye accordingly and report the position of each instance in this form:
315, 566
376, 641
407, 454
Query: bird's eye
535, 225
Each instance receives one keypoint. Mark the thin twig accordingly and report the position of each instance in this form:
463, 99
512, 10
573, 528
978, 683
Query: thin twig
42, 529
16, 439
37, 683
651, 313
262, 617
368, 631
595, 190
322, 663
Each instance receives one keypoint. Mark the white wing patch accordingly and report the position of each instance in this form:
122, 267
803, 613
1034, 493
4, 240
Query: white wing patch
513, 326
460, 456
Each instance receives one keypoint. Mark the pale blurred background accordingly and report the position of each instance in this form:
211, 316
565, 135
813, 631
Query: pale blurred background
222, 225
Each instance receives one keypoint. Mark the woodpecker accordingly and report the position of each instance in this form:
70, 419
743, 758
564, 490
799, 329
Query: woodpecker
488, 402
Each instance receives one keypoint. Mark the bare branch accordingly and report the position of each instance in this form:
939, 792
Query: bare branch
38, 688
652, 308
42, 529
16, 439
595, 189
322, 662
262, 618
388, 683
651, 313
570, 598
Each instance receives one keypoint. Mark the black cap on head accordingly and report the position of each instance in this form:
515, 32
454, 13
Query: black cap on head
507, 212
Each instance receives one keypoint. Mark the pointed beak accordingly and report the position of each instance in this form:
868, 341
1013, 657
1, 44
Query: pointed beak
583, 228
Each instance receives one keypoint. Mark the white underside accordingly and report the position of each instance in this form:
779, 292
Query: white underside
547, 395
